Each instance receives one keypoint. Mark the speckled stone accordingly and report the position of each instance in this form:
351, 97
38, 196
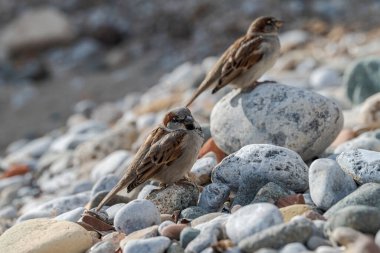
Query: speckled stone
201, 170
328, 183
253, 166
273, 113
192, 212
271, 192
363, 165
213, 196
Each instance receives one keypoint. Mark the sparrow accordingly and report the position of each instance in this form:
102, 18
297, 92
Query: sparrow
247, 59
167, 155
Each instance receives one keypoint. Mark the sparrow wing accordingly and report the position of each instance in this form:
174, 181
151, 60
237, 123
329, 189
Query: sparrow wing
243, 54
161, 152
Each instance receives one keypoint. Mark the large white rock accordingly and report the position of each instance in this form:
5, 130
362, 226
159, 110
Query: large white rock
272, 113
45, 236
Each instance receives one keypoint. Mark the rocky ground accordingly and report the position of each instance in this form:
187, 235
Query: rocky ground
291, 166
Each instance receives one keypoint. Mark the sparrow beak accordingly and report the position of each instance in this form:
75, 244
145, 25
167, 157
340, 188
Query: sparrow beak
279, 23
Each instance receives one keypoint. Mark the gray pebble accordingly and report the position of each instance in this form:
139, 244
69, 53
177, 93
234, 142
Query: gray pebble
367, 140
175, 247
202, 168
252, 219
278, 236
213, 196
328, 183
73, 215
271, 192
367, 194
363, 165
187, 235
315, 241
136, 215
164, 225
253, 166
105, 183
206, 238
192, 212
294, 247
103, 247
112, 210
157, 244
8, 212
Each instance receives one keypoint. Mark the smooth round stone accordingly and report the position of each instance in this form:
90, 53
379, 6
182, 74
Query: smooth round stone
363, 165
110, 164
8, 212
325, 77
213, 197
73, 215
187, 235
205, 218
368, 141
294, 247
57, 206
174, 197
105, 183
219, 221
294, 210
173, 231
157, 244
175, 247
278, 236
144, 233
271, 192
272, 113
328, 183
362, 79
365, 219
192, 212
252, 219
328, 249
117, 199
112, 210
202, 168
103, 247
136, 215
253, 166
164, 224
44, 236
367, 195
146, 190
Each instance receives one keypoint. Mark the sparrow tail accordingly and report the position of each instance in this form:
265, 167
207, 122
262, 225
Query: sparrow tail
112, 193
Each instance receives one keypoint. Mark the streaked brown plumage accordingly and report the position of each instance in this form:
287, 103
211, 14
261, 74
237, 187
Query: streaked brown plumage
167, 154
247, 59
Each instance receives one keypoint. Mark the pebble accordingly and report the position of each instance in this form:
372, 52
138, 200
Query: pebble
173, 231
56, 206
136, 215
201, 170
354, 241
192, 212
290, 200
164, 224
8, 212
157, 244
73, 215
174, 197
206, 238
205, 218
102, 247
187, 235
365, 219
253, 166
361, 79
363, 165
294, 210
112, 210
328, 183
368, 141
213, 196
277, 114
175, 247
315, 242
278, 236
46, 235
367, 194
144, 233
325, 77
271, 192
252, 219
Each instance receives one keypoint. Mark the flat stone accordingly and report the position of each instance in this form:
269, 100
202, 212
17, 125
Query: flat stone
328, 183
272, 113
252, 219
45, 236
363, 165
367, 194
365, 219
278, 236
291, 211
213, 196
253, 166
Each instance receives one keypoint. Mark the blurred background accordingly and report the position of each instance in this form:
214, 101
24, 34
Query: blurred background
56, 53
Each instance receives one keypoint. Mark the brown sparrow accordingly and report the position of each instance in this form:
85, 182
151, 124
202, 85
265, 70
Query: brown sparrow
247, 59
167, 154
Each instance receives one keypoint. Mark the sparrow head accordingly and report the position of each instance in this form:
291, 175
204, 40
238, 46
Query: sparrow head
180, 118
265, 25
